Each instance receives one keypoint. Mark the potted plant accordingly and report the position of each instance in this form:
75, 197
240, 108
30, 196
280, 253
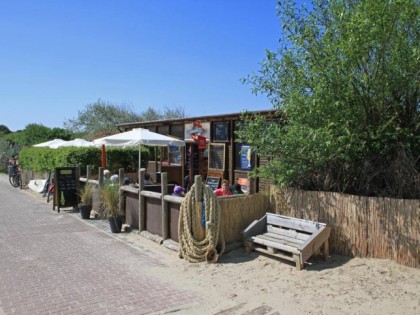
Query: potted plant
110, 203
85, 205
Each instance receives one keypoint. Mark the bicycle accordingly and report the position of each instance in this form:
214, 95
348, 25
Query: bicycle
15, 176
50, 190
47, 184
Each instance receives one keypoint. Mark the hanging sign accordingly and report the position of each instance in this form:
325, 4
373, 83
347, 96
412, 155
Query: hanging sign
201, 142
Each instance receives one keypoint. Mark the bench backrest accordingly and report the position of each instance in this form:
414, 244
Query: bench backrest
293, 223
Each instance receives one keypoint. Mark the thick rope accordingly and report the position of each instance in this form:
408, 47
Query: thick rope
190, 248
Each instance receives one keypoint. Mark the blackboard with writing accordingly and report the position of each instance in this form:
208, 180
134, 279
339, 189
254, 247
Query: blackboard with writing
213, 182
66, 187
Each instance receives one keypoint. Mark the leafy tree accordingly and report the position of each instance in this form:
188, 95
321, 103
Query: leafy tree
100, 118
346, 79
169, 113
4, 130
36, 133
60, 133
7, 151
32, 134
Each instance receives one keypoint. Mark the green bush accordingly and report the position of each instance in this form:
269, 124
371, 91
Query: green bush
40, 160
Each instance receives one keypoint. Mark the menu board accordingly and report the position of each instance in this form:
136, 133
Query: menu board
65, 187
213, 182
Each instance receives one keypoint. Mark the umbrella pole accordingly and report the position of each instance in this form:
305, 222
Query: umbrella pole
103, 155
139, 179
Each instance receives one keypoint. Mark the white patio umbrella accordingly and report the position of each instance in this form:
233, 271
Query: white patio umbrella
138, 137
50, 143
73, 143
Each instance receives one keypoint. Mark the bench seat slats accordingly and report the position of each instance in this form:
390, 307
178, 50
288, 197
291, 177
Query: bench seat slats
273, 244
288, 232
284, 239
295, 224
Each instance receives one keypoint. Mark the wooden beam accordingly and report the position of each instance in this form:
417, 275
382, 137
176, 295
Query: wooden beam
165, 210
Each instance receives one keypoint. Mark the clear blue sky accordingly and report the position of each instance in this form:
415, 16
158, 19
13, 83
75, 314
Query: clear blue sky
58, 56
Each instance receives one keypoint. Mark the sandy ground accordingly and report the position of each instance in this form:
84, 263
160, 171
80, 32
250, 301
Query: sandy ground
241, 283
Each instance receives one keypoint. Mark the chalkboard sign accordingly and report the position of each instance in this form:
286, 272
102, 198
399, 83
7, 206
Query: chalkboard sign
213, 182
66, 187
217, 156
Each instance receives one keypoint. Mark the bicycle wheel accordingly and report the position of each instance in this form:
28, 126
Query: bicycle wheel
17, 180
47, 184
12, 180
50, 195
20, 180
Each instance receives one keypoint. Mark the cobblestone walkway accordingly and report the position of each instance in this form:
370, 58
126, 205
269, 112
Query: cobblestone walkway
53, 263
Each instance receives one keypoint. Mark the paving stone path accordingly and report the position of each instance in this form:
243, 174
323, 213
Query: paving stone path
53, 263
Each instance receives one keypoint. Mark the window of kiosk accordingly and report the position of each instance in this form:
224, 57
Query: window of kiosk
216, 156
244, 157
174, 155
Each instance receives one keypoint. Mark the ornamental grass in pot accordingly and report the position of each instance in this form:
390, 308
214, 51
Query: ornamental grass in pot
110, 204
85, 205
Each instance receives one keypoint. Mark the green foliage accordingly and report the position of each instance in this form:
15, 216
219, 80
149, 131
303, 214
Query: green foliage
100, 118
169, 113
41, 160
110, 200
59, 133
86, 194
346, 77
126, 158
4, 130
36, 133
7, 151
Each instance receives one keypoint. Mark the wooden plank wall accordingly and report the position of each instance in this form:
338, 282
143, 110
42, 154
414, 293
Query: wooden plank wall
361, 226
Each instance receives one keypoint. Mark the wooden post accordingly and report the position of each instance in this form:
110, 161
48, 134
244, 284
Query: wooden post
191, 166
88, 172
100, 184
103, 156
183, 168
120, 192
251, 184
77, 185
165, 210
326, 250
142, 204
101, 176
156, 163
200, 233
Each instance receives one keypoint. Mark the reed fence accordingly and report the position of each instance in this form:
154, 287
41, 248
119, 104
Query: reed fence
361, 226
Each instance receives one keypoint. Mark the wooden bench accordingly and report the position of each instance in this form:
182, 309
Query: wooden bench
287, 238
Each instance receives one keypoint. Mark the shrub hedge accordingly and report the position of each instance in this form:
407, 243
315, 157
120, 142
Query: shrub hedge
40, 160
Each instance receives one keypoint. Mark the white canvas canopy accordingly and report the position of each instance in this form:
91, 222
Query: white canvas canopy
50, 143
73, 143
138, 137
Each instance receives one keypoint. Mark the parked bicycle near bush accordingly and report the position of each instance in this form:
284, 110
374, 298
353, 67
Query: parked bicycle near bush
50, 189
15, 176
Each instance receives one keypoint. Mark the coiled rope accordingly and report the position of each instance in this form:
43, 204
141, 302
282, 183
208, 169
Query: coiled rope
191, 248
